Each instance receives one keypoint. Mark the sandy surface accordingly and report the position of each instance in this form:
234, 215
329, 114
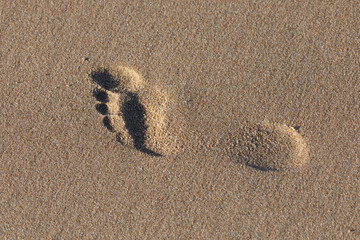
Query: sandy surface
230, 120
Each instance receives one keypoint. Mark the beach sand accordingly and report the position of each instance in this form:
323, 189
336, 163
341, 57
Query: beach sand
171, 120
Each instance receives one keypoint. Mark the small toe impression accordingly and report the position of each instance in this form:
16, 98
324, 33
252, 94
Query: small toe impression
108, 124
102, 108
270, 147
101, 96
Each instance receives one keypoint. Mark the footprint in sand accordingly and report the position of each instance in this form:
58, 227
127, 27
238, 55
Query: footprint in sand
136, 112
268, 146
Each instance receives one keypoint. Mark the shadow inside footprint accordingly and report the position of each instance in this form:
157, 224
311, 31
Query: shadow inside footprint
104, 79
134, 118
101, 96
264, 169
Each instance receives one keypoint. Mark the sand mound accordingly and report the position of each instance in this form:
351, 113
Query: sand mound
269, 146
135, 111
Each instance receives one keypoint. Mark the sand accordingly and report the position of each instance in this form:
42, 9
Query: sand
191, 120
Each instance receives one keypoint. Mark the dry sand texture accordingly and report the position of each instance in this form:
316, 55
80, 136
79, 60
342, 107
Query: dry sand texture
228, 120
